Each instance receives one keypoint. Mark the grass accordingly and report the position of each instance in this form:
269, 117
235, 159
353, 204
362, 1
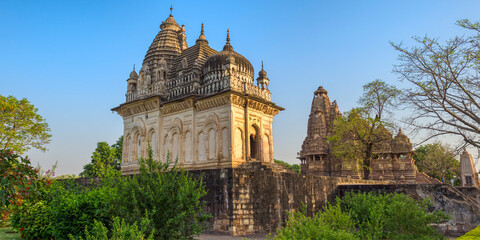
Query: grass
5, 234
474, 234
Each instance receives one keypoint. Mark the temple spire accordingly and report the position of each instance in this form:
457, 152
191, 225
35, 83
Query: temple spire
262, 64
202, 37
134, 67
228, 36
227, 46
171, 9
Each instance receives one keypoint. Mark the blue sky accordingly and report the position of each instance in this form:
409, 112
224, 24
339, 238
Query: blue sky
71, 58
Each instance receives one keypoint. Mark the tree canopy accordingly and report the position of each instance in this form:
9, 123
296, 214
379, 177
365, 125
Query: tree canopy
444, 90
437, 161
356, 133
21, 127
104, 158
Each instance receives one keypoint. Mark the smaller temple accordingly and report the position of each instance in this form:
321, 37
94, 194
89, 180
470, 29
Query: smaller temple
468, 172
393, 159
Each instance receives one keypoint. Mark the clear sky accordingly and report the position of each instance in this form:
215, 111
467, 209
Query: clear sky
71, 59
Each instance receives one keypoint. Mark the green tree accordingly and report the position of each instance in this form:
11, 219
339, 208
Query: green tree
21, 127
294, 167
443, 93
103, 160
437, 161
16, 178
118, 146
171, 196
357, 132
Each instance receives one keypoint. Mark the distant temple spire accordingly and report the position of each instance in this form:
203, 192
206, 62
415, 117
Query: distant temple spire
202, 37
171, 9
228, 35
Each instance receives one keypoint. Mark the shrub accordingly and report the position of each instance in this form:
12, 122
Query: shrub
474, 234
63, 208
171, 195
120, 230
391, 216
331, 223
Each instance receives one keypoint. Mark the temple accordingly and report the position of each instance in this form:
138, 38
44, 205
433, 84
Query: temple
393, 159
197, 105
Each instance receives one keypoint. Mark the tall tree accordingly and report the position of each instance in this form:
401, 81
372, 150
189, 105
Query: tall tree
21, 127
436, 160
358, 131
104, 159
444, 93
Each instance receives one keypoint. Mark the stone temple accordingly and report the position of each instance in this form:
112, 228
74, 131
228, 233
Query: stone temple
393, 162
199, 105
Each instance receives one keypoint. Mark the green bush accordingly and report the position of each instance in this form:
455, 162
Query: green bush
331, 223
63, 209
120, 230
391, 216
172, 196
474, 234
366, 216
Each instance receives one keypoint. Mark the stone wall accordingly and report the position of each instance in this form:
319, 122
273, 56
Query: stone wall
255, 197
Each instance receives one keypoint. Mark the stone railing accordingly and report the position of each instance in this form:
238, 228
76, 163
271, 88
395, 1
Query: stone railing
214, 87
155, 89
205, 89
258, 92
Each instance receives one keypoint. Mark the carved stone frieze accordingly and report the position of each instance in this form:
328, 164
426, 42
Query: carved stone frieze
212, 102
138, 107
177, 106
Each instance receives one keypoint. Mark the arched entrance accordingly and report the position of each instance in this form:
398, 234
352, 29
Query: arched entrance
254, 142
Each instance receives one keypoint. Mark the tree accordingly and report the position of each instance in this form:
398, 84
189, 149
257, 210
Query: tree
16, 177
356, 133
444, 93
294, 167
104, 158
355, 136
21, 127
172, 197
437, 161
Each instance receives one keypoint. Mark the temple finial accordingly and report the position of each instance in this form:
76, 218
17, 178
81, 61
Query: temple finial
228, 35
134, 67
201, 32
262, 64
171, 9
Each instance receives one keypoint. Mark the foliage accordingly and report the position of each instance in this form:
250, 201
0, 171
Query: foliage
472, 235
437, 161
294, 167
391, 216
170, 195
366, 216
443, 95
64, 208
356, 133
105, 158
331, 223
120, 230
355, 136
21, 126
378, 97
16, 179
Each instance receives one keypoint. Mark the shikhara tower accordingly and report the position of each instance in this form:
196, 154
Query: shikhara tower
201, 106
